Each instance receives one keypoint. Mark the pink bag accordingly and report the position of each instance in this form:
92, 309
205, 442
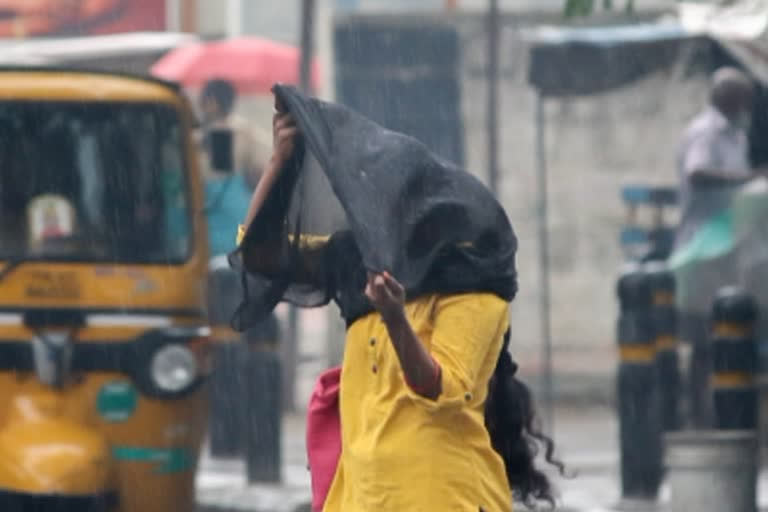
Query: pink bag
324, 435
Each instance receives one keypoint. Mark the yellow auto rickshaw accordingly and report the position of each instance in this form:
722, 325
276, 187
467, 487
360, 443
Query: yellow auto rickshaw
103, 265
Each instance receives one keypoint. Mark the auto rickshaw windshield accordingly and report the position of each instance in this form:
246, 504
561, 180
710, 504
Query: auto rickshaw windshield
93, 182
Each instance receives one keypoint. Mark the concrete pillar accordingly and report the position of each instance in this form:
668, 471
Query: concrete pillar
188, 16
335, 330
712, 471
173, 15
335, 334
234, 18
181, 16
324, 45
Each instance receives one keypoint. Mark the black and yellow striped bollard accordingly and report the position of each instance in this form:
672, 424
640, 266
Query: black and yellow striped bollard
263, 403
667, 358
734, 360
226, 414
637, 388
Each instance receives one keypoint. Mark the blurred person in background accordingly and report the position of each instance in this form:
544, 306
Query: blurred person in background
228, 191
714, 156
251, 149
713, 162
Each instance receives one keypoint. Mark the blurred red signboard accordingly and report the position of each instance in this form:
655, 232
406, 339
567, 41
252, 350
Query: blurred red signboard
35, 18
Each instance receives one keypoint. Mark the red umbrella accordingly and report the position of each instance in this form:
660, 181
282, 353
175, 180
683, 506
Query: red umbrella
252, 64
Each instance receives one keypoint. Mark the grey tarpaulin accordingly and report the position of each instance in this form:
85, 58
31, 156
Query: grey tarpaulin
359, 197
586, 61
567, 62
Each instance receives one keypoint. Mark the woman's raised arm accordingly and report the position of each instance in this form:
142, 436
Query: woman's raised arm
284, 132
267, 256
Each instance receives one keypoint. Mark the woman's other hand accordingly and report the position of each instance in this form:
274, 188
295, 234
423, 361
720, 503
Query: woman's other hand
387, 295
422, 373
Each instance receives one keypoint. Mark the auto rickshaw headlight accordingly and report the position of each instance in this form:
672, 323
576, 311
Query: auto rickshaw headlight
174, 368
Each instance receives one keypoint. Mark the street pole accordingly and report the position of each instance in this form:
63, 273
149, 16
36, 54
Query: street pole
324, 52
493, 96
307, 45
334, 333
492, 127
544, 284
291, 345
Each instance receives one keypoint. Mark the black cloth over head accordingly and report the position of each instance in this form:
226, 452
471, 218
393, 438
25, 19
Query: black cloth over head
357, 197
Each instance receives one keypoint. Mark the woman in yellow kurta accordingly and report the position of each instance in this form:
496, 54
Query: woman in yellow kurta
405, 451
432, 417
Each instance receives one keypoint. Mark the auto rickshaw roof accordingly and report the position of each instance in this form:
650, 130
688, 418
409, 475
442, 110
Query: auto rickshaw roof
78, 84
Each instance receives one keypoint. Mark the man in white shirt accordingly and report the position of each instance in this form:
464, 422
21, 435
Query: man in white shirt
714, 155
712, 163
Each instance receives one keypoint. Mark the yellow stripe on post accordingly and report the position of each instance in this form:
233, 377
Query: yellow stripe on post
732, 380
637, 353
732, 330
666, 343
224, 333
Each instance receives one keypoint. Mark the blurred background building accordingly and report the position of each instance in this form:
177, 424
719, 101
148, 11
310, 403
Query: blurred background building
595, 144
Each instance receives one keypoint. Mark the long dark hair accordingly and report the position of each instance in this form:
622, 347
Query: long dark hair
516, 435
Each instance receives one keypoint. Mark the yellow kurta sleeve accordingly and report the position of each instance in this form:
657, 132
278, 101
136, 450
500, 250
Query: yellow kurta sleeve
466, 328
